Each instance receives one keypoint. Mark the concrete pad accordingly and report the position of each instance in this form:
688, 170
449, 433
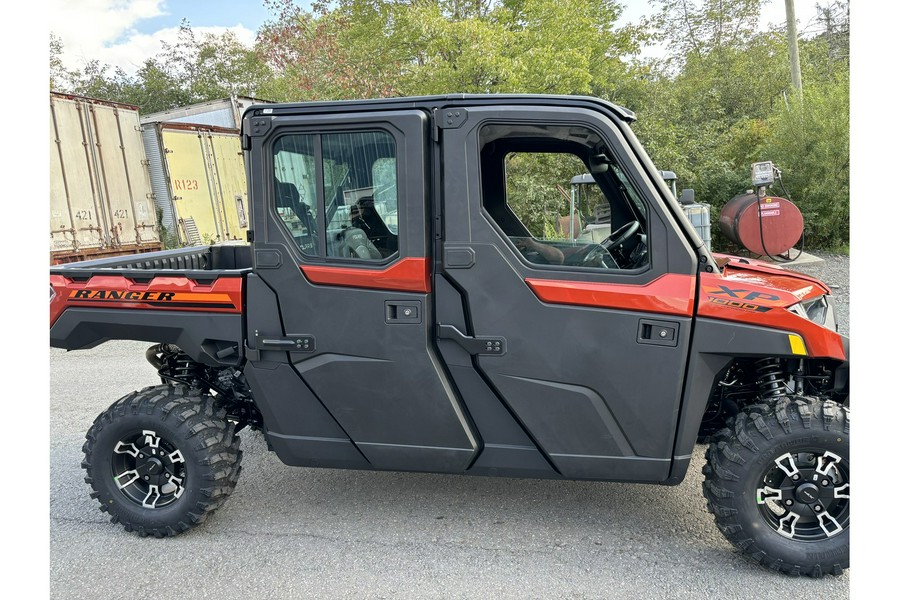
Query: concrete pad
795, 258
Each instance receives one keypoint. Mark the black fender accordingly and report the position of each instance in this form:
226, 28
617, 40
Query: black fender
714, 346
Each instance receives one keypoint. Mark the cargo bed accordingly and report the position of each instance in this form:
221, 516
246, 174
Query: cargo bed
200, 290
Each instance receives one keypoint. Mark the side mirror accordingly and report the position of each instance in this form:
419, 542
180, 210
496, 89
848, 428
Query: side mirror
687, 197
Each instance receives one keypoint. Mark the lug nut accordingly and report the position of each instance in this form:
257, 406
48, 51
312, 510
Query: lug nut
788, 502
167, 475
795, 477
824, 482
817, 508
147, 477
140, 456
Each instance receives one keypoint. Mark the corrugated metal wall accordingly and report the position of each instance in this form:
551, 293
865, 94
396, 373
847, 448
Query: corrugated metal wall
206, 182
100, 195
158, 181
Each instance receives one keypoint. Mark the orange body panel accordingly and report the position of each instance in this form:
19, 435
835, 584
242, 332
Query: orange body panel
224, 295
406, 275
669, 294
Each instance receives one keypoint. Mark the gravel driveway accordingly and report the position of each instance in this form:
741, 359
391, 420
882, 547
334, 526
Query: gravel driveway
319, 533
835, 271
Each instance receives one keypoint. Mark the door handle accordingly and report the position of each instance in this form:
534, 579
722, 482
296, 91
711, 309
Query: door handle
657, 333
406, 311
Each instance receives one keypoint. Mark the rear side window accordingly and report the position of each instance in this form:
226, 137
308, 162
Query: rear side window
296, 189
336, 193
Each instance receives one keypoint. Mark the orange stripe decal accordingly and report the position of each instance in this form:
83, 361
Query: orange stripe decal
669, 294
406, 275
225, 294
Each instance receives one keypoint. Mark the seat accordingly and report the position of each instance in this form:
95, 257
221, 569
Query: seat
366, 218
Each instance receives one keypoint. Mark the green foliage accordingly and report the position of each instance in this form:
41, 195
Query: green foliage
360, 49
723, 100
190, 70
535, 187
810, 141
59, 76
719, 100
168, 238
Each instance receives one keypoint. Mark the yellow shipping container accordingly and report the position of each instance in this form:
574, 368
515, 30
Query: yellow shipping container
207, 182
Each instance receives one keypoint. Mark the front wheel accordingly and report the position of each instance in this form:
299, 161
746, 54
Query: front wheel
778, 483
161, 460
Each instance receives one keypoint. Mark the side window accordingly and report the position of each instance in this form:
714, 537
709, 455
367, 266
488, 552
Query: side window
358, 199
559, 197
295, 189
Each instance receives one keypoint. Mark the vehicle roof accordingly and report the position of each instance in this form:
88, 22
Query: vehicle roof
438, 102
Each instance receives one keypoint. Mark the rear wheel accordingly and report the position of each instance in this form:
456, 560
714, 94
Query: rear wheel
778, 483
161, 460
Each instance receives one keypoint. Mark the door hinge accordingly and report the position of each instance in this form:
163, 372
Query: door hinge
492, 345
452, 118
280, 343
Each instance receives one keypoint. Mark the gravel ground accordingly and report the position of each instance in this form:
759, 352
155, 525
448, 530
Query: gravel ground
320, 533
835, 272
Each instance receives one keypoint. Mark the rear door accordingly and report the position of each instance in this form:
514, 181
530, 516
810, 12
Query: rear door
340, 306
584, 342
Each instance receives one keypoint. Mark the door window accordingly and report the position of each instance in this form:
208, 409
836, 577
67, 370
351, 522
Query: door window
357, 206
560, 198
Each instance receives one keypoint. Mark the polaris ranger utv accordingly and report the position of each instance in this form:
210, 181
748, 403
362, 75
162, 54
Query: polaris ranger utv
401, 307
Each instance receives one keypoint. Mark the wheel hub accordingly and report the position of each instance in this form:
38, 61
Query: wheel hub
153, 466
149, 470
808, 493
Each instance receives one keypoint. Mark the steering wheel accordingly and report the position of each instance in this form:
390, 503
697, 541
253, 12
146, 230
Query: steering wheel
621, 235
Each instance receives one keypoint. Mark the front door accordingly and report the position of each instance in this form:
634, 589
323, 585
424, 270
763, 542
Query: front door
580, 323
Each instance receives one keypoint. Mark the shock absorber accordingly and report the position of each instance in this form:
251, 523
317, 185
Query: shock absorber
186, 369
174, 366
770, 379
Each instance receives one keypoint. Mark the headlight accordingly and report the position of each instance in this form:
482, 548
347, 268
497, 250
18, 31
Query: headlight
818, 310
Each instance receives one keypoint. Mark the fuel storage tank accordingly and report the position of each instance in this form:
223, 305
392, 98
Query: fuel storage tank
765, 225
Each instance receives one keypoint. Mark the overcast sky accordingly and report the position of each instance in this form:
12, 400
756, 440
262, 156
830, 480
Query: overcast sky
124, 33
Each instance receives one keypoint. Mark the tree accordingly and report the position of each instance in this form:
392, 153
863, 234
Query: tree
355, 48
185, 72
59, 75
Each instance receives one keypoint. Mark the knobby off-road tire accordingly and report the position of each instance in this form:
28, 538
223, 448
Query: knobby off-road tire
778, 482
161, 460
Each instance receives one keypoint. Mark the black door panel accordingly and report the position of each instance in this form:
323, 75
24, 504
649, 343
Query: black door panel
372, 367
596, 399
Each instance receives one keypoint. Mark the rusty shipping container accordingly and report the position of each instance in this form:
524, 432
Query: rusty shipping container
199, 182
100, 195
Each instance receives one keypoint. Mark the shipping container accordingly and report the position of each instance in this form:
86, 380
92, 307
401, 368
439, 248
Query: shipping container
198, 181
218, 113
100, 195
197, 170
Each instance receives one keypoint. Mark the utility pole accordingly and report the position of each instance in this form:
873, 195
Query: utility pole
793, 49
